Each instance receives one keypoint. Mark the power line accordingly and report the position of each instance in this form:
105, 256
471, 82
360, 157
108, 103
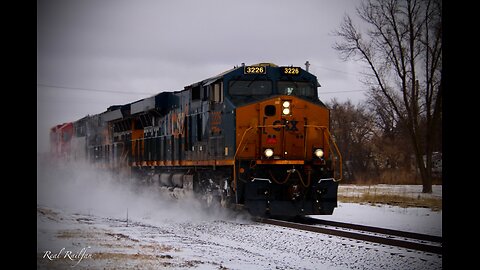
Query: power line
335, 70
94, 90
144, 93
342, 71
346, 91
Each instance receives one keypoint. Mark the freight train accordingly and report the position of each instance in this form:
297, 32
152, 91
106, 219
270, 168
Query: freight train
255, 137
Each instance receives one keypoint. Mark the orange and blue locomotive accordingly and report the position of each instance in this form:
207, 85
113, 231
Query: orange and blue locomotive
254, 136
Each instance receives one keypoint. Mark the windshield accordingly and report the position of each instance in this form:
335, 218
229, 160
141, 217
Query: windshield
250, 88
297, 89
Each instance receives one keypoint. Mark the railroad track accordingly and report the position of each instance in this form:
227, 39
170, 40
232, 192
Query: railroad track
409, 240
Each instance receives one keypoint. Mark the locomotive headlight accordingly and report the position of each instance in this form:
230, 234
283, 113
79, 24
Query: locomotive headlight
286, 107
318, 152
268, 152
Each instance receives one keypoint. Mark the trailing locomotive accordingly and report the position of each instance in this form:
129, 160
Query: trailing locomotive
254, 136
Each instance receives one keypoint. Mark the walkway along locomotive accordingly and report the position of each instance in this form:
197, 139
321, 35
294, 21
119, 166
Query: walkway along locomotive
254, 136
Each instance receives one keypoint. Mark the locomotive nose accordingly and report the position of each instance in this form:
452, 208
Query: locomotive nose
282, 121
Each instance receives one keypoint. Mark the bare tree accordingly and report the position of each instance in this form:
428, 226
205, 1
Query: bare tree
352, 128
403, 49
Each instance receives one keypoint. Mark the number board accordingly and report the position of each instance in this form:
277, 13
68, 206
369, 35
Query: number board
290, 70
255, 70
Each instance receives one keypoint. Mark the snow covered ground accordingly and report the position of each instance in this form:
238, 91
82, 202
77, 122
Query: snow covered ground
101, 242
88, 220
414, 219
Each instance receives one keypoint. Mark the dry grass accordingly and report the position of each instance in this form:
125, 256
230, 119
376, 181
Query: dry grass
127, 256
75, 233
111, 260
398, 195
397, 200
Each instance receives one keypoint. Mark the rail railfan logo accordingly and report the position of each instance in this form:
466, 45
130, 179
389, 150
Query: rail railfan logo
69, 255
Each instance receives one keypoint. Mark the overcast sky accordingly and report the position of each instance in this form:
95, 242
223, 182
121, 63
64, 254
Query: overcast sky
95, 53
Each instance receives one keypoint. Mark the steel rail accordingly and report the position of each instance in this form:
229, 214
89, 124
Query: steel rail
354, 235
412, 235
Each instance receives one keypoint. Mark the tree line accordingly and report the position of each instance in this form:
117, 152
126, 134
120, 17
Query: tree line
375, 147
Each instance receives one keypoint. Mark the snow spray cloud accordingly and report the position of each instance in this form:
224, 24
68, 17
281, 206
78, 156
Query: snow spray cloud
79, 188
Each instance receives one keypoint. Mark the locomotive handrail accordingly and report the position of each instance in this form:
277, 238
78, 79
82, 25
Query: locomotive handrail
238, 148
235, 163
245, 133
339, 156
330, 138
